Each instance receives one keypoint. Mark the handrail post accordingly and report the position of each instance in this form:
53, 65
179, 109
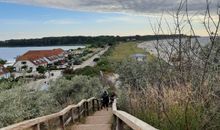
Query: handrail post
79, 112
98, 106
49, 125
93, 105
87, 108
36, 127
114, 122
119, 124
62, 123
84, 109
72, 114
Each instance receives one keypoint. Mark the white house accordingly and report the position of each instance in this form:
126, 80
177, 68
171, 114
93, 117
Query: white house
139, 57
4, 73
33, 59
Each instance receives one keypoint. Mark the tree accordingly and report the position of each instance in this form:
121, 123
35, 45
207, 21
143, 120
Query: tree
41, 69
3, 61
96, 59
10, 69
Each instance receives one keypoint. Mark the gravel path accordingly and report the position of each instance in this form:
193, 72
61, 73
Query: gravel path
90, 61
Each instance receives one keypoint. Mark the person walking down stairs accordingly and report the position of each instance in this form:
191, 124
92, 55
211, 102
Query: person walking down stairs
105, 100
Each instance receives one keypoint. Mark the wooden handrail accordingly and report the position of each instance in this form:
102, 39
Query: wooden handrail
131, 121
36, 123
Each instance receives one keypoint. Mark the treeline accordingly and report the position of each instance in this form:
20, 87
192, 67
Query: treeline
79, 40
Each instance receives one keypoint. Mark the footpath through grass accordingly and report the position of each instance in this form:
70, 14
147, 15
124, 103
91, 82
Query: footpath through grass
123, 51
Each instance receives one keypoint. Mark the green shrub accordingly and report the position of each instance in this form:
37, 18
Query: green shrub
6, 84
21, 103
41, 69
72, 91
87, 71
2, 62
163, 103
105, 65
96, 60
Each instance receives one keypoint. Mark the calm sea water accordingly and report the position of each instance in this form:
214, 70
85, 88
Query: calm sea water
10, 53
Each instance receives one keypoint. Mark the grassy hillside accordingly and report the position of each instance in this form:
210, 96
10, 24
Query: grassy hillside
123, 51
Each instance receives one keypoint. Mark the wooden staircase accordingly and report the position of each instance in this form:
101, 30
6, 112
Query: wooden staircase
100, 120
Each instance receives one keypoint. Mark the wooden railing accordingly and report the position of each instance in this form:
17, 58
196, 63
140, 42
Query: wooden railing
122, 118
61, 119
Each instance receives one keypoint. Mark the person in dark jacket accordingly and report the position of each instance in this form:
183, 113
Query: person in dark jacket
112, 97
105, 100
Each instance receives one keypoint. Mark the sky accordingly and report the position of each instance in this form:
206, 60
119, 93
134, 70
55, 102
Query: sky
43, 18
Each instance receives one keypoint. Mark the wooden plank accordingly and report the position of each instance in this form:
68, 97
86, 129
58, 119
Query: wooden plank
114, 106
32, 122
93, 105
119, 125
130, 120
36, 127
67, 121
67, 109
87, 108
79, 115
62, 126
98, 105
72, 115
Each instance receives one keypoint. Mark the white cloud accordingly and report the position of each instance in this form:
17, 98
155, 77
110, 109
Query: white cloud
122, 6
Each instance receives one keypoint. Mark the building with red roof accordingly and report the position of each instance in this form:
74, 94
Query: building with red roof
35, 58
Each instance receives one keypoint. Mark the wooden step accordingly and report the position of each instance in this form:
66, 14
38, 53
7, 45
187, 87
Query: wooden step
103, 112
98, 119
92, 127
101, 120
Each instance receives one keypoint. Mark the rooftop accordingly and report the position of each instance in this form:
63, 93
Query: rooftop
38, 54
138, 55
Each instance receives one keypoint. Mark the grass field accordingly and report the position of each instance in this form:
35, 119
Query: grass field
109, 62
123, 51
